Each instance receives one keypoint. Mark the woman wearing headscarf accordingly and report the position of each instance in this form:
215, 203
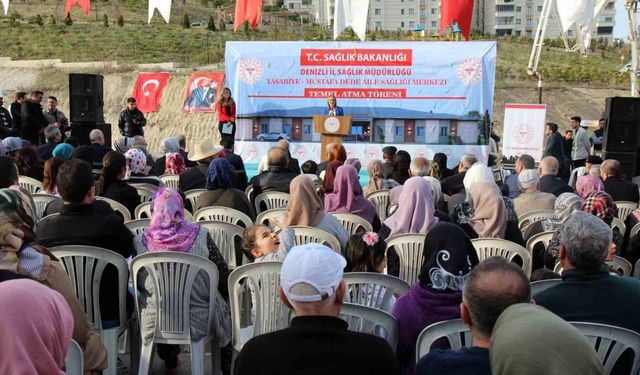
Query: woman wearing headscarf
441, 159
401, 165
112, 184
170, 145
220, 191
36, 328
415, 215
486, 214
375, 168
137, 170
438, 197
530, 340
587, 184
20, 253
337, 157
305, 208
62, 151
347, 197
449, 256
174, 164
169, 231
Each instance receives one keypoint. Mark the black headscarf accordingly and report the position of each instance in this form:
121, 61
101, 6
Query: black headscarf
449, 257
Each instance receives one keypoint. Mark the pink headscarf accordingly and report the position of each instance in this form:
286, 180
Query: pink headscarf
347, 195
36, 328
174, 165
136, 162
587, 184
168, 230
415, 209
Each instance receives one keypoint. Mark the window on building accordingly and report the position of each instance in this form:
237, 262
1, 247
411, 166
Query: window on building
504, 8
444, 131
402, 12
529, 10
402, 24
539, 8
399, 131
608, 19
529, 22
434, 10
518, 21
411, 11
412, 24
434, 23
264, 128
569, 32
306, 129
518, 9
286, 128
423, 12
420, 131
605, 30
518, 33
377, 11
378, 24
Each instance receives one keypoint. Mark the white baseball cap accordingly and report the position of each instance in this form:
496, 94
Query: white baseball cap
315, 265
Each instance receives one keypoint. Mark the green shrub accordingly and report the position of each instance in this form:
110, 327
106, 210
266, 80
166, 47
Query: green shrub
211, 25
105, 20
185, 21
52, 20
120, 21
67, 20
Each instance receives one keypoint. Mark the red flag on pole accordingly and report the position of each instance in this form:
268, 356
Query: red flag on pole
84, 4
247, 10
459, 11
148, 90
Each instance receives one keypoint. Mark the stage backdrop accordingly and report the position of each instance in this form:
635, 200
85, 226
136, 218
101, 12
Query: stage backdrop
524, 130
446, 80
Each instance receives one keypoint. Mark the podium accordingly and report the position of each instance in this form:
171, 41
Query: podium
332, 128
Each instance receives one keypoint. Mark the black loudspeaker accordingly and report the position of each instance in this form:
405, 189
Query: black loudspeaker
86, 98
106, 130
622, 131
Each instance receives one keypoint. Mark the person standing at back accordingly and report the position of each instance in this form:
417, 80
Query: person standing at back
15, 109
131, 120
226, 108
554, 145
32, 117
317, 340
56, 117
581, 143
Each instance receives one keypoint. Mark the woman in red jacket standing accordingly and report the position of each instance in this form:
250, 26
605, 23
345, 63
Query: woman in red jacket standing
226, 109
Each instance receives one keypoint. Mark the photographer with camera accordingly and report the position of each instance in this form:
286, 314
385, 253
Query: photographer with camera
131, 120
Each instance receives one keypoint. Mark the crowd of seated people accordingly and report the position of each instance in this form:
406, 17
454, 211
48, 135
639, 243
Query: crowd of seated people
449, 207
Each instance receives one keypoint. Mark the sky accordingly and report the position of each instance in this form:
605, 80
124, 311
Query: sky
621, 29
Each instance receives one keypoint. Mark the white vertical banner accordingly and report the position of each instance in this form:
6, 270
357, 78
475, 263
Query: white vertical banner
5, 5
524, 130
582, 13
350, 13
163, 6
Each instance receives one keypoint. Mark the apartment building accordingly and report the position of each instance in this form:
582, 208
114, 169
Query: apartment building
496, 17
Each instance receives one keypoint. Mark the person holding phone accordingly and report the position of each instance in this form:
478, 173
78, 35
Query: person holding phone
226, 109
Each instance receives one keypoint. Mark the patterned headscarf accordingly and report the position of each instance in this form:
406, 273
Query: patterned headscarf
171, 145
587, 184
376, 176
169, 231
600, 204
564, 205
63, 151
449, 257
15, 212
219, 174
136, 162
174, 165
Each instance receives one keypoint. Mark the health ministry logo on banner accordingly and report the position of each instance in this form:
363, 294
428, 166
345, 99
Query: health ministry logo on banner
148, 90
523, 133
469, 71
250, 70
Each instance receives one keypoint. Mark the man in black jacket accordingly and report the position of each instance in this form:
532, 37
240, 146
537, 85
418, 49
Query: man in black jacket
53, 136
549, 182
80, 223
317, 340
196, 177
32, 117
131, 120
15, 109
454, 184
278, 177
619, 189
555, 144
387, 160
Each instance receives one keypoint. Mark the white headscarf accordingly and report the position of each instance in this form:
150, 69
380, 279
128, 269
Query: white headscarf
477, 173
436, 187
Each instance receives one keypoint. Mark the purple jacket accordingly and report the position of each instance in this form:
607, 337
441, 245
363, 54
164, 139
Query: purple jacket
416, 310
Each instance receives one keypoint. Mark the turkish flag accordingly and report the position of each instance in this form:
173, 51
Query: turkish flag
247, 10
459, 11
84, 4
148, 90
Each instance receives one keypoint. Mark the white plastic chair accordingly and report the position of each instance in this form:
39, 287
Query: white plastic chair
223, 214
625, 208
488, 247
634, 230
41, 201
173, 275
537, 238
531, 217
392, 209
117, 207
276, 213
352, 223
409, 248
538, 287
223, 235
271, 199
380, 199
137, 226
610, 342
146, 194
248, 191
620, 264
30, 184
636, 269
85, 265
573, 178
74, 361
368, 320
269, 313
171, 181
373, 289
192, 196
143, 211
618, 223
458, 334
304, 235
